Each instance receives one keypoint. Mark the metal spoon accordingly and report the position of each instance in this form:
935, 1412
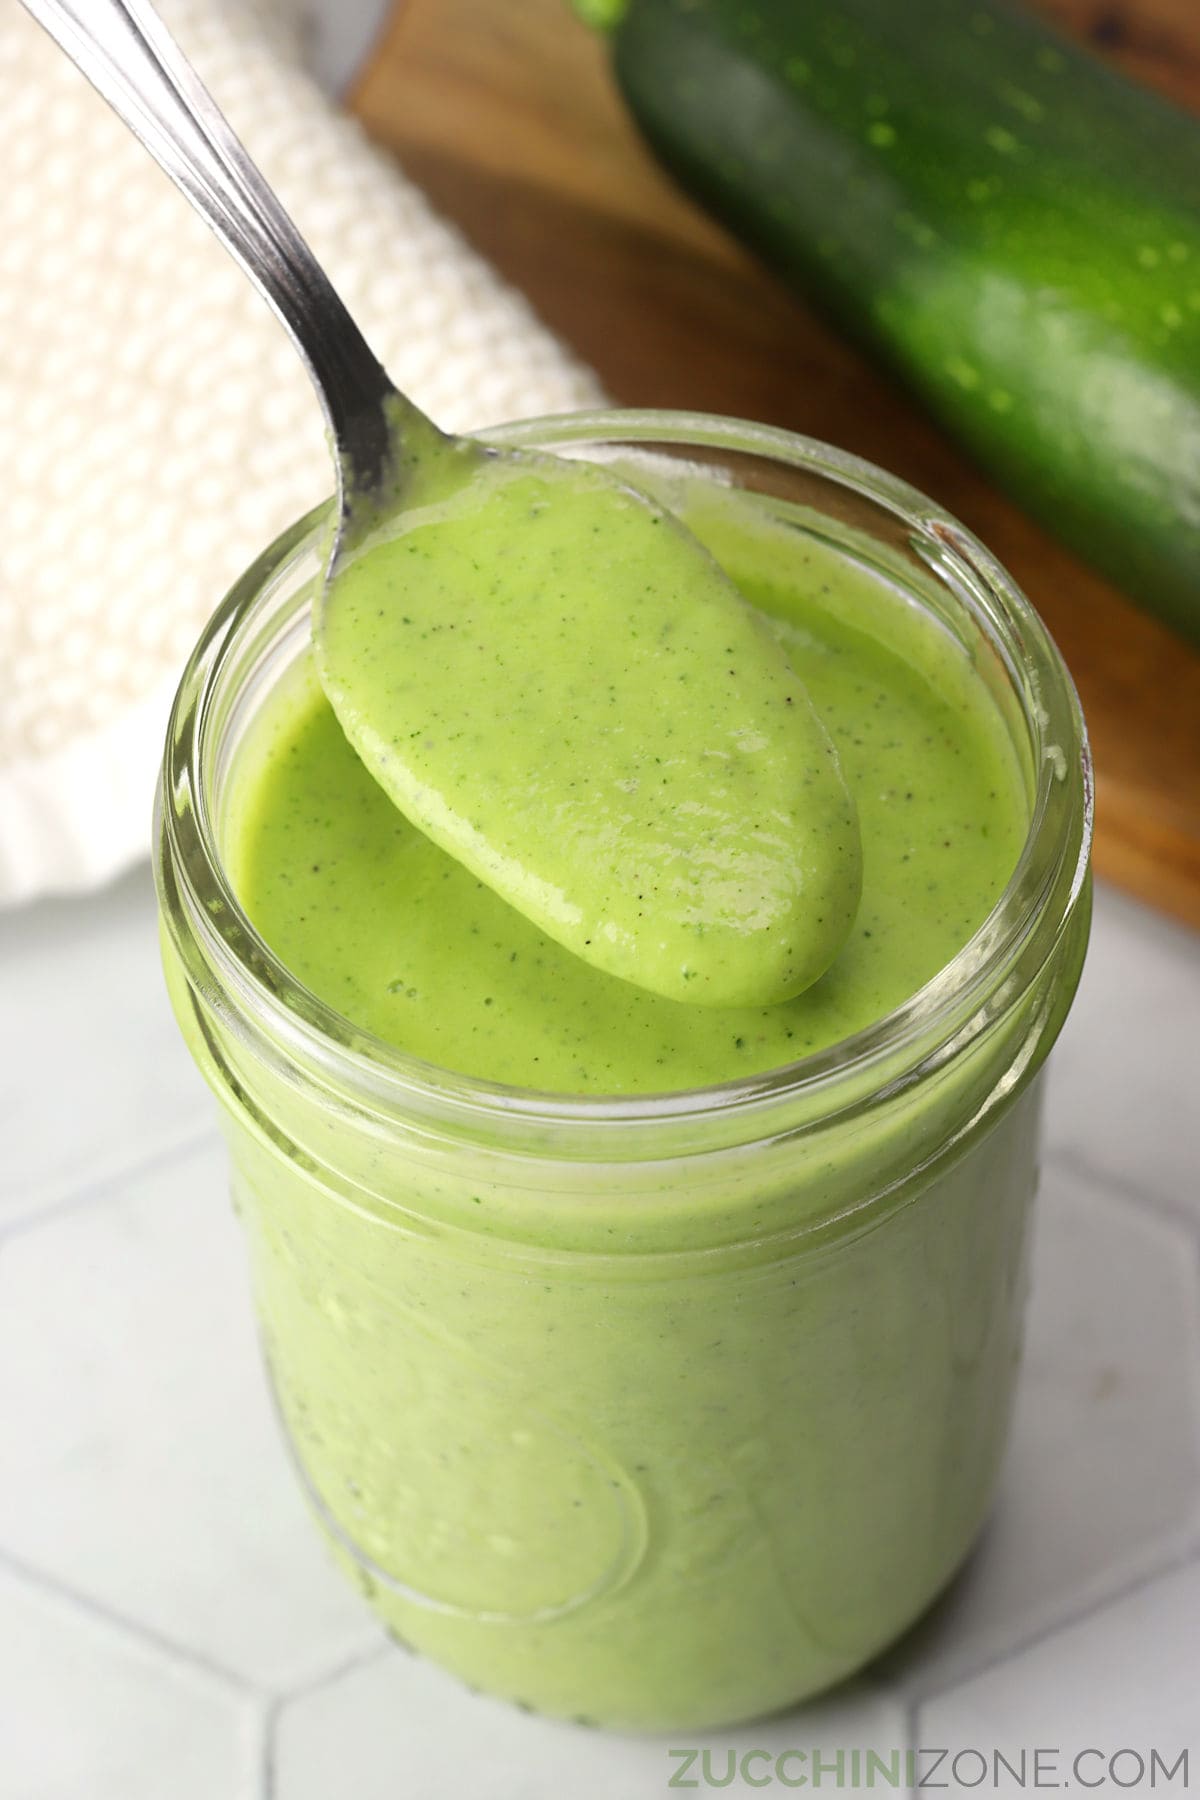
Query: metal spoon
754, 913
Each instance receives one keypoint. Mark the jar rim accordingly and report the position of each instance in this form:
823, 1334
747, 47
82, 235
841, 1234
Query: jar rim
224, 953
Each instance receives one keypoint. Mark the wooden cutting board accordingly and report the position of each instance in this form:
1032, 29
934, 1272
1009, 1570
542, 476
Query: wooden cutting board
503, 111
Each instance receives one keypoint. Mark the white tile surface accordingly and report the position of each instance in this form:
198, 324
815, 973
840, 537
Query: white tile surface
401, 1727
1127, 1678
141, 1464
87, 1714
1102, 1478
1126, 1076
94, 1078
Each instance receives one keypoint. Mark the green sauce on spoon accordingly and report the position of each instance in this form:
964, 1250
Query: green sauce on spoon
554, 680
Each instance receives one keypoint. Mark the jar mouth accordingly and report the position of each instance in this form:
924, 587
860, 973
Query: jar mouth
236, 969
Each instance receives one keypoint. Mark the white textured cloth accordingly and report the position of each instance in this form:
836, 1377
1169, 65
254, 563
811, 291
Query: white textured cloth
156, 426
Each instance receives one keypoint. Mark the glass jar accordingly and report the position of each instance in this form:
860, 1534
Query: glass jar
670, 1410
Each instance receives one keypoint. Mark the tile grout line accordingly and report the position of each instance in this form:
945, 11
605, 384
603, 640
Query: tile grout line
273, 1695
277, 1704
1077, 1164
94, 1192
1185, 1555
268, 1699
337, 1671
268, 1769
144, 1637
1130, 1200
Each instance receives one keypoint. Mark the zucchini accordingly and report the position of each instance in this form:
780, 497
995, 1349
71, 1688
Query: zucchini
1014, 226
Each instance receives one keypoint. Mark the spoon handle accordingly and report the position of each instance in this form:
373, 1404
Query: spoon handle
133, 62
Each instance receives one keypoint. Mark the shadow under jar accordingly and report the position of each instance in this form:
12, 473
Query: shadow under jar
666, 1410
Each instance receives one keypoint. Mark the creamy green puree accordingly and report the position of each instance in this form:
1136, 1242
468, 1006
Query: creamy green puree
405, 940
650, 1441
556, 683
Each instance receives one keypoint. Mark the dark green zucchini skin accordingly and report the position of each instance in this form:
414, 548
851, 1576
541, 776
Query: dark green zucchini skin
1012, 224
